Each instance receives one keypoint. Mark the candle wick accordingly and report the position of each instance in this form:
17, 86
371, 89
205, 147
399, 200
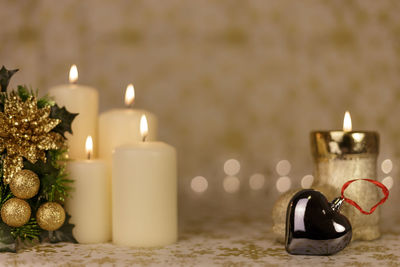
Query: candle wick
144, 138
129, 106
89, 155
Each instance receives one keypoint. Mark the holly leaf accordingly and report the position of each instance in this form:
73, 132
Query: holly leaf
42, 169
63, 234
5, 77
48, 174
66, 119
7, 242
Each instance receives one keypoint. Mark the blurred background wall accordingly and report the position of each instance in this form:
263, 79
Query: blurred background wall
243, 80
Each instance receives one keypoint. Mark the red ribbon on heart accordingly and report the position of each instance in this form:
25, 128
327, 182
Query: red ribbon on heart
385, 191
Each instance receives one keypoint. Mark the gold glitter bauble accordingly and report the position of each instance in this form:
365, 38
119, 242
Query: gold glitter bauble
50, 216
15, 212
25, 184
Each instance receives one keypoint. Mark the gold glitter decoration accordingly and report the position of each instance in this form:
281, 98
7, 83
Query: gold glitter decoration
25, 184
50, 216
15, 212
25, 132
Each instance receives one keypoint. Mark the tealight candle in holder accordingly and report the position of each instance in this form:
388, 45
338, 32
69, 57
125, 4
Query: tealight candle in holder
341, 156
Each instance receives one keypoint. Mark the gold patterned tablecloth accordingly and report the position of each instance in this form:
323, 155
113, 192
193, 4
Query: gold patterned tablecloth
227, 241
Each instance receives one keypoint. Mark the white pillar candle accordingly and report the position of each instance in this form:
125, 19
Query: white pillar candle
121, 126
83, 100
89, 204
144, 199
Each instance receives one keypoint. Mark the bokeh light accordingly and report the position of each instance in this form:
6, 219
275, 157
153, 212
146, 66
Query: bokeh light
199, 184
306, 181
387, 166
388, 182
231, 167
257, 181
283, 184
231, 184
283, 167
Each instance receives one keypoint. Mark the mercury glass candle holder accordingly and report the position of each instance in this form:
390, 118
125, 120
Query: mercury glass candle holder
340, 156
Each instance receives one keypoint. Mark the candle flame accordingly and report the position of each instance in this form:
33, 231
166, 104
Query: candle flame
144, 128
73, 74
347, 122
89, 146
129, 95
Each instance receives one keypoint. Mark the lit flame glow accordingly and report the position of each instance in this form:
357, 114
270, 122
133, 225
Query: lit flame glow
89, 146
144, 128
73, 74
129, 95
347, 122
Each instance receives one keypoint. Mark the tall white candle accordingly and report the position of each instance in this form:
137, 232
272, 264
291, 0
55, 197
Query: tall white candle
89, 203
144, 199
83, 100
121, 126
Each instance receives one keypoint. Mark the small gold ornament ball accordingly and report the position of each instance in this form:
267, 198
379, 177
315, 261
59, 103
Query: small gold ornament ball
50, 216
25, 184
15, 212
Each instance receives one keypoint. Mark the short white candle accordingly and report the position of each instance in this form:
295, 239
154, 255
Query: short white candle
83, 100
89, 204
144, 205
121, 126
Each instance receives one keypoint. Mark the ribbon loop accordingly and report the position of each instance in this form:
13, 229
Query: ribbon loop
385, 191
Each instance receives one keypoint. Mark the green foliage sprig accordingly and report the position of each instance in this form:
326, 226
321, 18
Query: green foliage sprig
30, 231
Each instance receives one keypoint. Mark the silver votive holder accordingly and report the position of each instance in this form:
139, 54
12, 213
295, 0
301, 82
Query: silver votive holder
340, 156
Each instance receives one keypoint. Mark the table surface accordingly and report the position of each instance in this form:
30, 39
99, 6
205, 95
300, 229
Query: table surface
209, 241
